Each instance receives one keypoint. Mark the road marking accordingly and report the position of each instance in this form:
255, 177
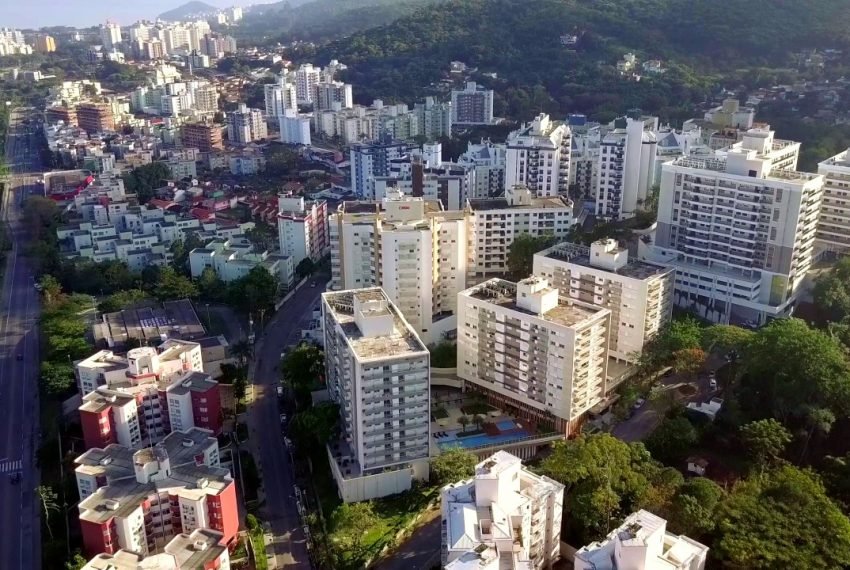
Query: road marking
10, 466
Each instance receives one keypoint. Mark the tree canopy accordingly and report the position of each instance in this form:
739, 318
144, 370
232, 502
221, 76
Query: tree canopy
782, 519
452, 465
144, 180
521, 253
303, 369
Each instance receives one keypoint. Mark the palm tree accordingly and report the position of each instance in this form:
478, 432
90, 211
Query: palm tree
242, 350
463, 421
47, 496
478, 420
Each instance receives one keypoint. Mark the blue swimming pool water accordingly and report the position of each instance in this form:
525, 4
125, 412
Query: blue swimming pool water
481, 439
505, 425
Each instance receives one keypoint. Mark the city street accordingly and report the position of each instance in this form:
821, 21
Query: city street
290, 548
19, 365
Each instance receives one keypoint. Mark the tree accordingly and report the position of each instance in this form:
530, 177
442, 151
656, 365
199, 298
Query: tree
678, 335
688, 361
281, 161
77, 562
262, 236
210, 287
832, 291
123, 300
47, 497
50, 289
312, 428
521, 253
352, 521
144, 180
243, 351
303, 368
788, 369
724, 338
672, 440
693, 509
765, 440
181, 249
305, 268
605, 480
255, 293
240, 387
463, 421
782, 519
173, 286
57, 378
452, 465
478, 420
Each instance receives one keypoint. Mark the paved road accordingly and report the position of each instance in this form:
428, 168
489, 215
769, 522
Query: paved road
420, 552
264, 421
19, 523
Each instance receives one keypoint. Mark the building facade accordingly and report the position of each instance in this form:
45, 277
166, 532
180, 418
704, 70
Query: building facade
246, 125
833, 233
371, 159
378, 371
95, 117
626, 167
472, 105
538, 156
204, 137
542, 355
302, 227
638, 294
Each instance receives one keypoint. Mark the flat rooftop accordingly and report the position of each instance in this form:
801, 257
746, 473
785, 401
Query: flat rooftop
578, 254
548, 203
718, 164
184, 547
175, 319
503, 293
192, 382
104, 360
402, 341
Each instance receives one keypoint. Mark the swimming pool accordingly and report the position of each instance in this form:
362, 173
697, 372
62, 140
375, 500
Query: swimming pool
510, 429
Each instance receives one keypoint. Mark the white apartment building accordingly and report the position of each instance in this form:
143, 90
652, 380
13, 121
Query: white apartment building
378, 371
302, 228
246, 125
496, 222
542, 355
333, 95
101, 368
472, 105
739, 228
488, 161
412, 249
294, 128
412, 175
202, 548
234, 258
280, 97
642, 542
626, 167
833, 233
504, 518
638, 294
435, 119
731, 114
110, 34
372, 159
538, 156
306, 79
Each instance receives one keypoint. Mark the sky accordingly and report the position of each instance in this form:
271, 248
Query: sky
84, 13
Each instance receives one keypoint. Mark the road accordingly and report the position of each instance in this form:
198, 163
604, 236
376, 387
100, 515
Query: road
420, 552
290, 547
19, 364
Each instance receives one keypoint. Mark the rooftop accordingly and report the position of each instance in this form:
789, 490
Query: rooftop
547, 203
578, 254
568, 312
401, 339
105, 361
175, 319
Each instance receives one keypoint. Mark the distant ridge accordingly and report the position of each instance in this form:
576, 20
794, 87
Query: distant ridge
189, 9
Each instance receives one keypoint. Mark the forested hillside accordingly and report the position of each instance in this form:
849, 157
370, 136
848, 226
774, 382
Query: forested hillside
519, 40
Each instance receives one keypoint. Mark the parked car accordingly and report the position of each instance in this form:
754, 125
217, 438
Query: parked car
712, 383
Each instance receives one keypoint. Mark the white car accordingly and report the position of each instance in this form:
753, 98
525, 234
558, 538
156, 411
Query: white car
712, 383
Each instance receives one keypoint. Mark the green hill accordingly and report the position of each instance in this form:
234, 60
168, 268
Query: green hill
188, 10
519, 40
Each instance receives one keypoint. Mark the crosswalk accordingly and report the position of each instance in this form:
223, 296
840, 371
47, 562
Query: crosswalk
10, 466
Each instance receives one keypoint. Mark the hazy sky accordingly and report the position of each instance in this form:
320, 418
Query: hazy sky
83, 13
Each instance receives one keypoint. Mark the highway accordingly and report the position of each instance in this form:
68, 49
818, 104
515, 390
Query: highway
19, 363
290, 548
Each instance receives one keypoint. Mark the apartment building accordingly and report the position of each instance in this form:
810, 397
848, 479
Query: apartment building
147, 404
306, 79
204, 137
333, 95
246, 125
739, 228
235, 257
378, 371
434, 119
202, 549
642, 541
302, 228
487, 160
504, 518
102, 368
833, 233
110, 34
527, 348
95, 117
139, 500
626, 167
538, 156
294, 128
472, 105
638, 294
412, 249
496, 222
372, 159
45, 43
419, 176
279, 98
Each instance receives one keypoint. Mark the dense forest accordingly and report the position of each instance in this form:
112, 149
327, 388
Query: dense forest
698, 41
